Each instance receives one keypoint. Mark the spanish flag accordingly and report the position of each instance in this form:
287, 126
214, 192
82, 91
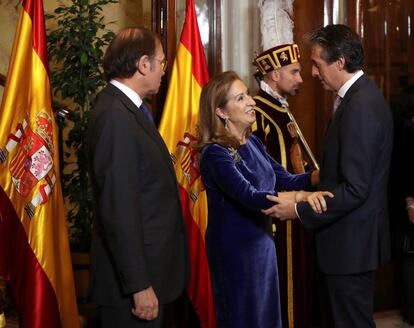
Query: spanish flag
34, 247
179, 128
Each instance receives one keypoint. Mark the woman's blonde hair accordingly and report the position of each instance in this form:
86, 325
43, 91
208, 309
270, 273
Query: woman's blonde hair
211, 128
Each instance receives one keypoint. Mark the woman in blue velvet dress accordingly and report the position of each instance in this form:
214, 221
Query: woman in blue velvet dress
238, 174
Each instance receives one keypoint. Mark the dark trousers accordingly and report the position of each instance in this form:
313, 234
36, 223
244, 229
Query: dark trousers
347, 300
111, 317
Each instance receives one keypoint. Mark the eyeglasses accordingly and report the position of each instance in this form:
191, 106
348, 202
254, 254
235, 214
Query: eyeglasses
162, 62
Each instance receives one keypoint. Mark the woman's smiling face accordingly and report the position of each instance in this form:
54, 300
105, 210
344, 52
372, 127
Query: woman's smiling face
239, 107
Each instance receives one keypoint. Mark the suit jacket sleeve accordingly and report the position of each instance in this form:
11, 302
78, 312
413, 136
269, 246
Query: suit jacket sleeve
359, 142
116, 154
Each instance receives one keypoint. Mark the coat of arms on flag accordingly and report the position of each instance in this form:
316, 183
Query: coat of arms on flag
188, 158
33, 159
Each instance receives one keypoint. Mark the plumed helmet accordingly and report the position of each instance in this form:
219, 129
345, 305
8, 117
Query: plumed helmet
277, 36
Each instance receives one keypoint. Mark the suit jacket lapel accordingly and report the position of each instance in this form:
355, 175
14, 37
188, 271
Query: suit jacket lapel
143, 121
339, 111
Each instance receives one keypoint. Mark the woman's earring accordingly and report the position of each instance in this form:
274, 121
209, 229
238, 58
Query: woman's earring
226, 122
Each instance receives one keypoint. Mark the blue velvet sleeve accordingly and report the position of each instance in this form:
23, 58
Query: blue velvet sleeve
285, 181
218, 170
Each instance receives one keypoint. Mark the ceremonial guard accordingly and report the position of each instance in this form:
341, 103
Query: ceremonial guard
278, 73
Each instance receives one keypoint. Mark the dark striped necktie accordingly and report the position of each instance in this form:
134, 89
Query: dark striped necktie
147, 113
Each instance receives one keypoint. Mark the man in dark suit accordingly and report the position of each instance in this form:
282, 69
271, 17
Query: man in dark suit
352, 235
139, 253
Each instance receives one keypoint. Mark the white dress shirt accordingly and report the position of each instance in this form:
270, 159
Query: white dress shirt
131, 94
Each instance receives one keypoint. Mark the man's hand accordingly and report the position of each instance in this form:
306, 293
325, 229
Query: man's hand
145, 304
410, 208
317, 201
410, 211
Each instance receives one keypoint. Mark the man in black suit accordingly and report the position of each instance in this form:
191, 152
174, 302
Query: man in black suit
139, 253
352, 235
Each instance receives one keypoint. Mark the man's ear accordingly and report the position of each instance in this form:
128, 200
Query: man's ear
341, 63
143, 65
275, 75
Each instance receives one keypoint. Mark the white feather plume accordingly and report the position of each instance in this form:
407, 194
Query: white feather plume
276, 22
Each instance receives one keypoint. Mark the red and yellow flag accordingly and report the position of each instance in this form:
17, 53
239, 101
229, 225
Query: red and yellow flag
34, 247
178, 128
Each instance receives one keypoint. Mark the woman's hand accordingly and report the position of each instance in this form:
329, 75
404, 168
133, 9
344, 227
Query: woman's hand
287, 195
315, 178
284, 209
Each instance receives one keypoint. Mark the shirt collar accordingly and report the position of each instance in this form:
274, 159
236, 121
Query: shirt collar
131, 94
268, 89
342, 91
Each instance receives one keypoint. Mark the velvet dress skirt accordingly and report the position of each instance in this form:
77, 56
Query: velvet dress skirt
240, 248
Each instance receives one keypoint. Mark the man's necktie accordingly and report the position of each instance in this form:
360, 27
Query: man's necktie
147, 113
337, 102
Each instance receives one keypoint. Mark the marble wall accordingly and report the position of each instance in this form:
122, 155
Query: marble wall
241, 38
